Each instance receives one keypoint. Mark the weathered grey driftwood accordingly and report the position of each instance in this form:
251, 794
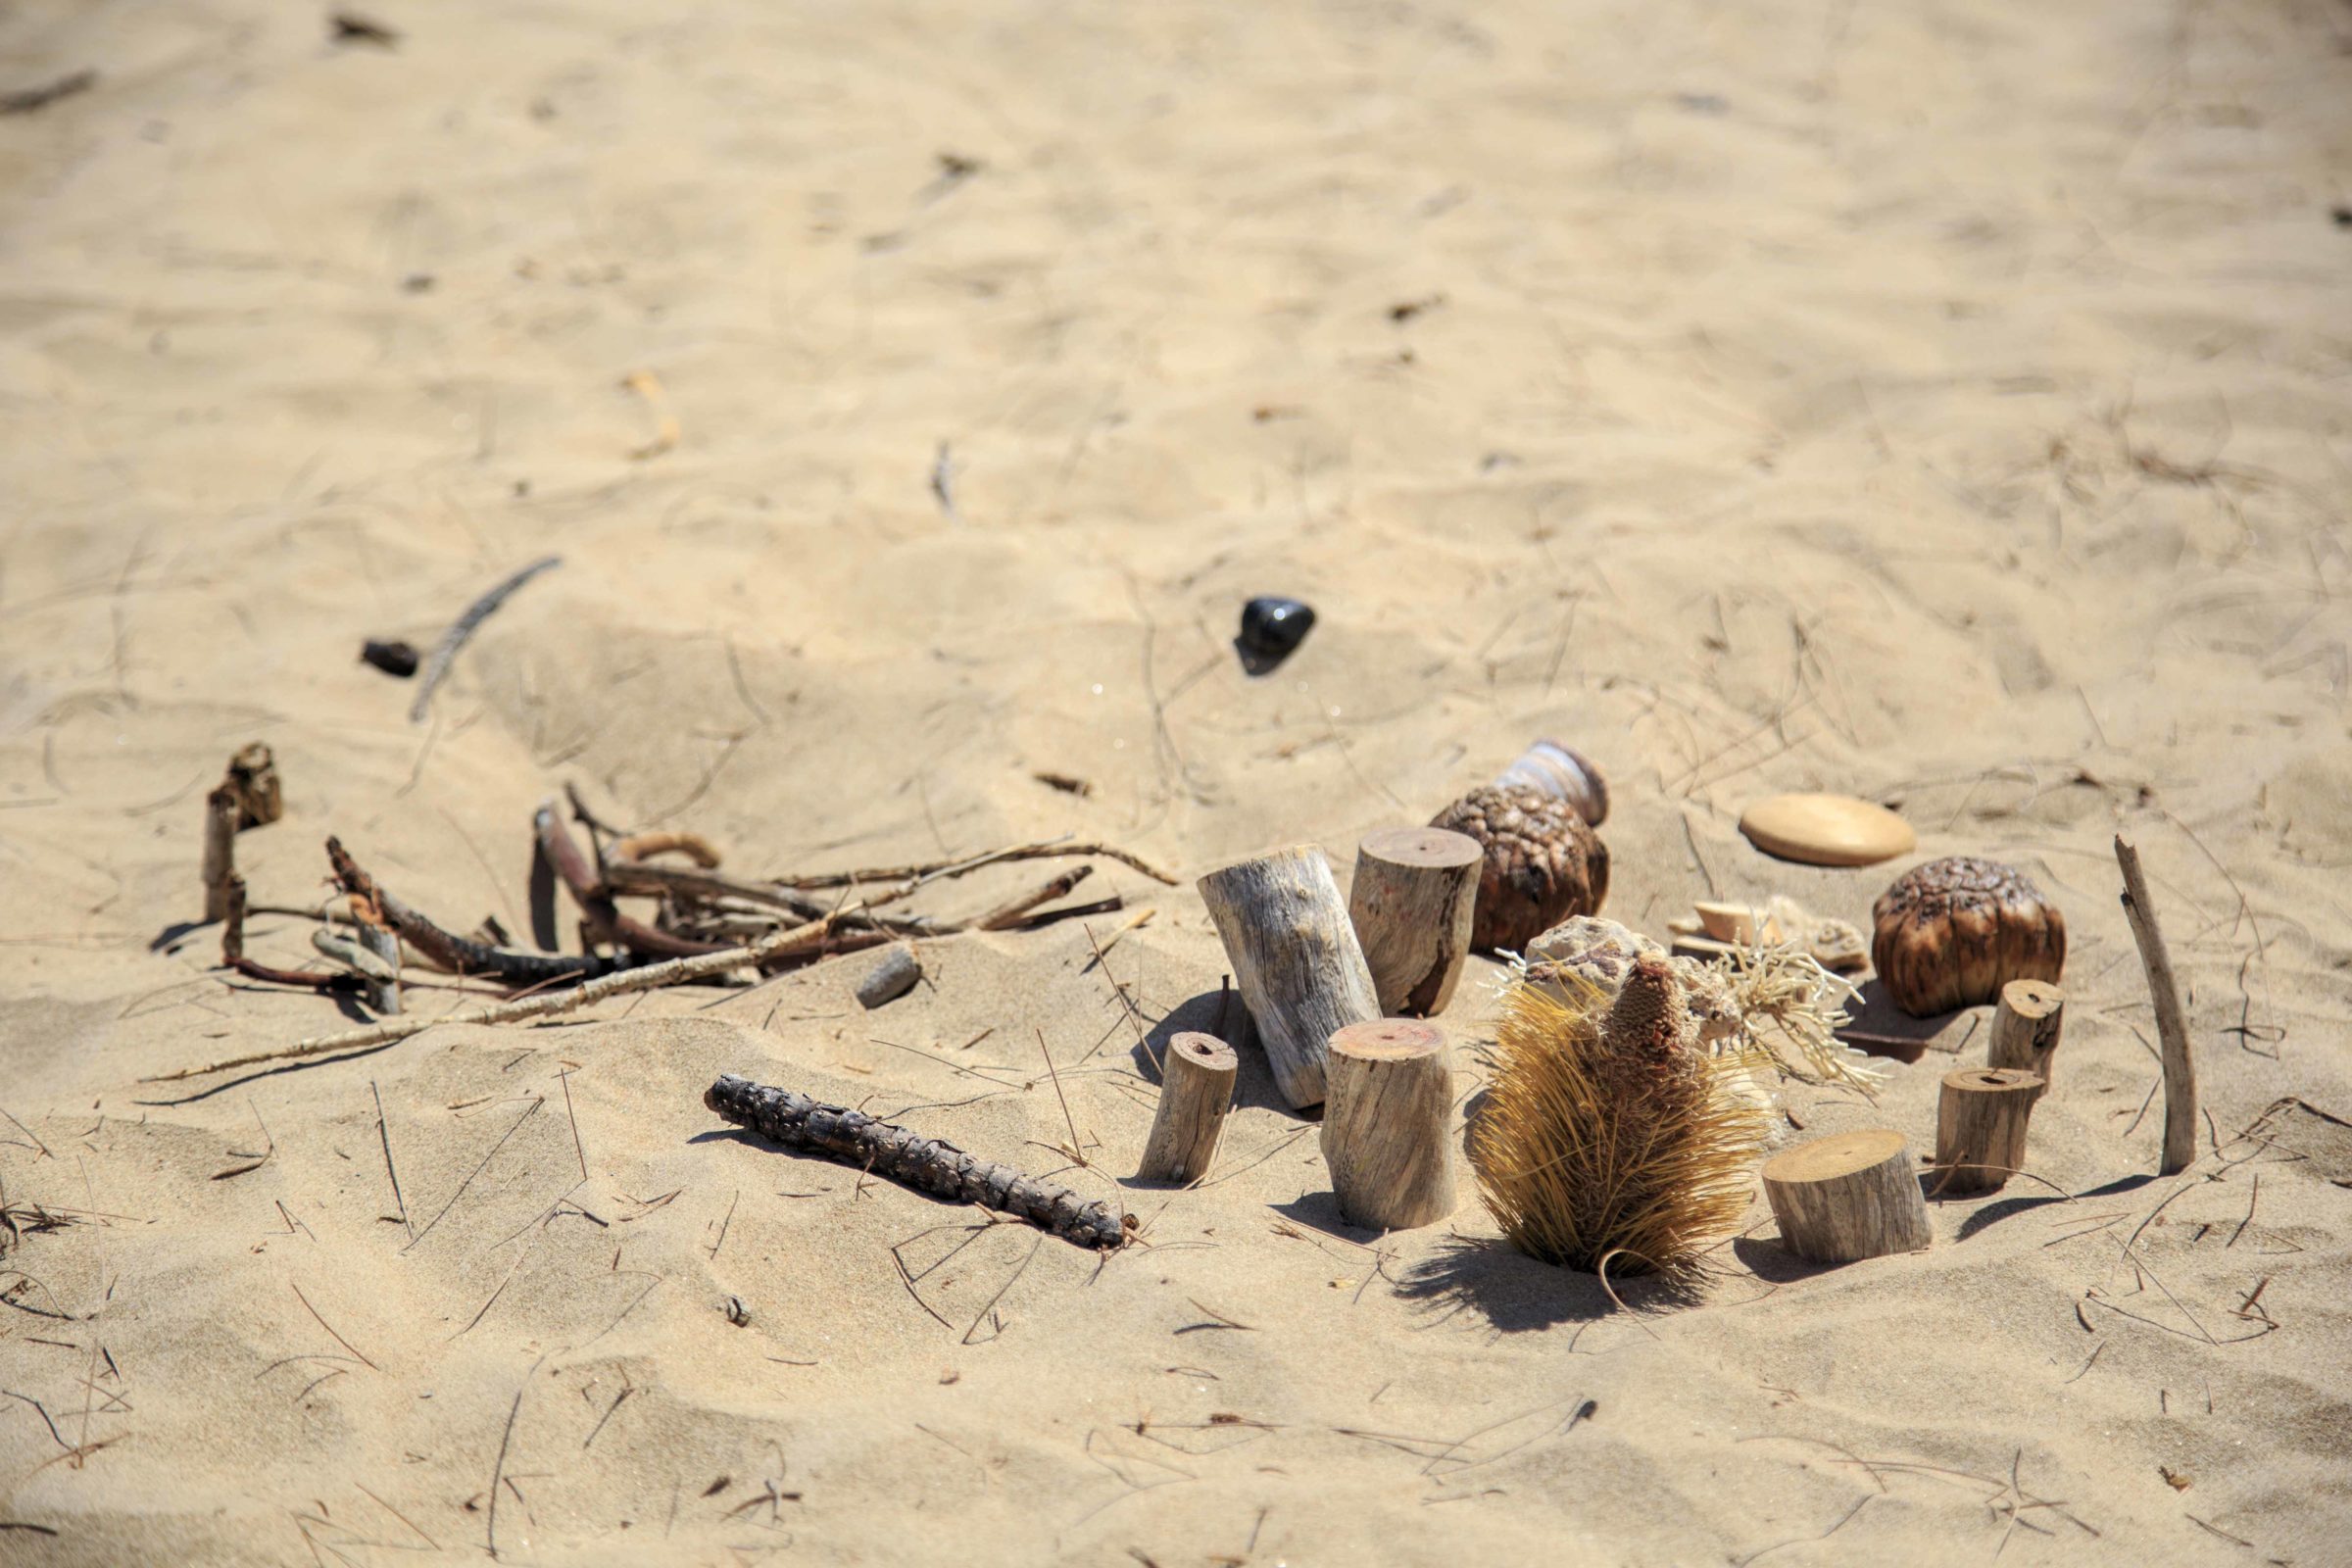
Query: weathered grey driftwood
381, 943
1849, 1197
1415, 894
929, 1164
1383, 1126
1196, 1091
220, 850
890, 979
1295, 959
2171, 1025
1981, 1125
2026, 1026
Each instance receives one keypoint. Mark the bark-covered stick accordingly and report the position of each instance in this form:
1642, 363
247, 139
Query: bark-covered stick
856, 1138
220, 850
2171, 1025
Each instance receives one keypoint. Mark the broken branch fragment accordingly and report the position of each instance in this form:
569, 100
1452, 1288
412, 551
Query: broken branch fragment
935, 1166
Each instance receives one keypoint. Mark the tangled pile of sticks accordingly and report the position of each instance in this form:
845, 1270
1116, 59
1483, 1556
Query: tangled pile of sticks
705, 924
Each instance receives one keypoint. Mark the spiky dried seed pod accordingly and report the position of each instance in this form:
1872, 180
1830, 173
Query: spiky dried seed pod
1609, 1138
1543, 863
1951, 933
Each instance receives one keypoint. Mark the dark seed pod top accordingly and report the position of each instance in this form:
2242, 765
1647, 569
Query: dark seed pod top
1542, 863
1951, 933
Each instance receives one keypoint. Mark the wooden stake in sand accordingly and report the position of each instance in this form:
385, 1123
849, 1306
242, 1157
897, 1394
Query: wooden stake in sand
1415, 892
1384, 1127
2026, 1026
1847, 1196
2171, 1027
1980, 1128
856, 1138
1196, 1092
1296, 960
220, 850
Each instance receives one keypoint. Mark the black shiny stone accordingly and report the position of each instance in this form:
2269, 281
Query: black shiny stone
393, 658
1272, 628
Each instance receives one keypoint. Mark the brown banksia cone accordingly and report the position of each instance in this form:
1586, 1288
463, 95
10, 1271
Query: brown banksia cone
1949, 934
1543, 863
1610, 1139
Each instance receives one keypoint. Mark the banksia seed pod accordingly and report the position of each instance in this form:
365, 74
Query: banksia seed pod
1610, 1139
1543, 863
1949, 934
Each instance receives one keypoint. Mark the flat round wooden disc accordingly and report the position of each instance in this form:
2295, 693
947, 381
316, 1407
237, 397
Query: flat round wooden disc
1389, 1039
1423, 846
1827, 830
1825, 1159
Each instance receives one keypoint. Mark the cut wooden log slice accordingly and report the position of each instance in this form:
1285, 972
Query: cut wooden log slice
1847, 1196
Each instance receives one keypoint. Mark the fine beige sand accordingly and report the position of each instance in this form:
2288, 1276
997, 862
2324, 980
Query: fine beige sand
1950, 405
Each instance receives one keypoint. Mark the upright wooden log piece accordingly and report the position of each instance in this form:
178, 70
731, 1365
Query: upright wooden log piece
1847, 1196
2025, 1025
220, 850
383, 982
1196, 1091
2171, 1025
1415, 891
1980, 1128
1384, 1127
1296, 960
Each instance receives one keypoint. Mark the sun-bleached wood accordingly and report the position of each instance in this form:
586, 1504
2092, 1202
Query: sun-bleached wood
1847, 1196
220, 850
2172, 1026
1295, 959
1415, 891
1196, 1091
383, 987
2025, 1025
1981, 1125
1383, 1126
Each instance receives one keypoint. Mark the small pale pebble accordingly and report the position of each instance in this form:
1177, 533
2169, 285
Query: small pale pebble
892, 979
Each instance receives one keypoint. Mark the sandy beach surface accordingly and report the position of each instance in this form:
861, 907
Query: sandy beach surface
1951, 405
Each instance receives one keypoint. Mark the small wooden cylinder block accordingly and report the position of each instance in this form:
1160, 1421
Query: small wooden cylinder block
1196, 1091
1981, 1127
1416, 889
2025, 1029
1295, 959
1847, 1196
1383, 1126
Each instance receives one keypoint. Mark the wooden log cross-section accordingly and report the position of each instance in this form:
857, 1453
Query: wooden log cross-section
1415, 891
1295, 959
2025, 1025
1847, 1196
1196, 1092
1384, 1125
1980, 1128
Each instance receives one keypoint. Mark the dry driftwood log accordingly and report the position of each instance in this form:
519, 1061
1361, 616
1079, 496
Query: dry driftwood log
2172, 1026
1196, 1091
1415, 896
1847, 1196
1980, 1128
1296, 960
2026, 1026
220, 850
1384, 1125
935, 1166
